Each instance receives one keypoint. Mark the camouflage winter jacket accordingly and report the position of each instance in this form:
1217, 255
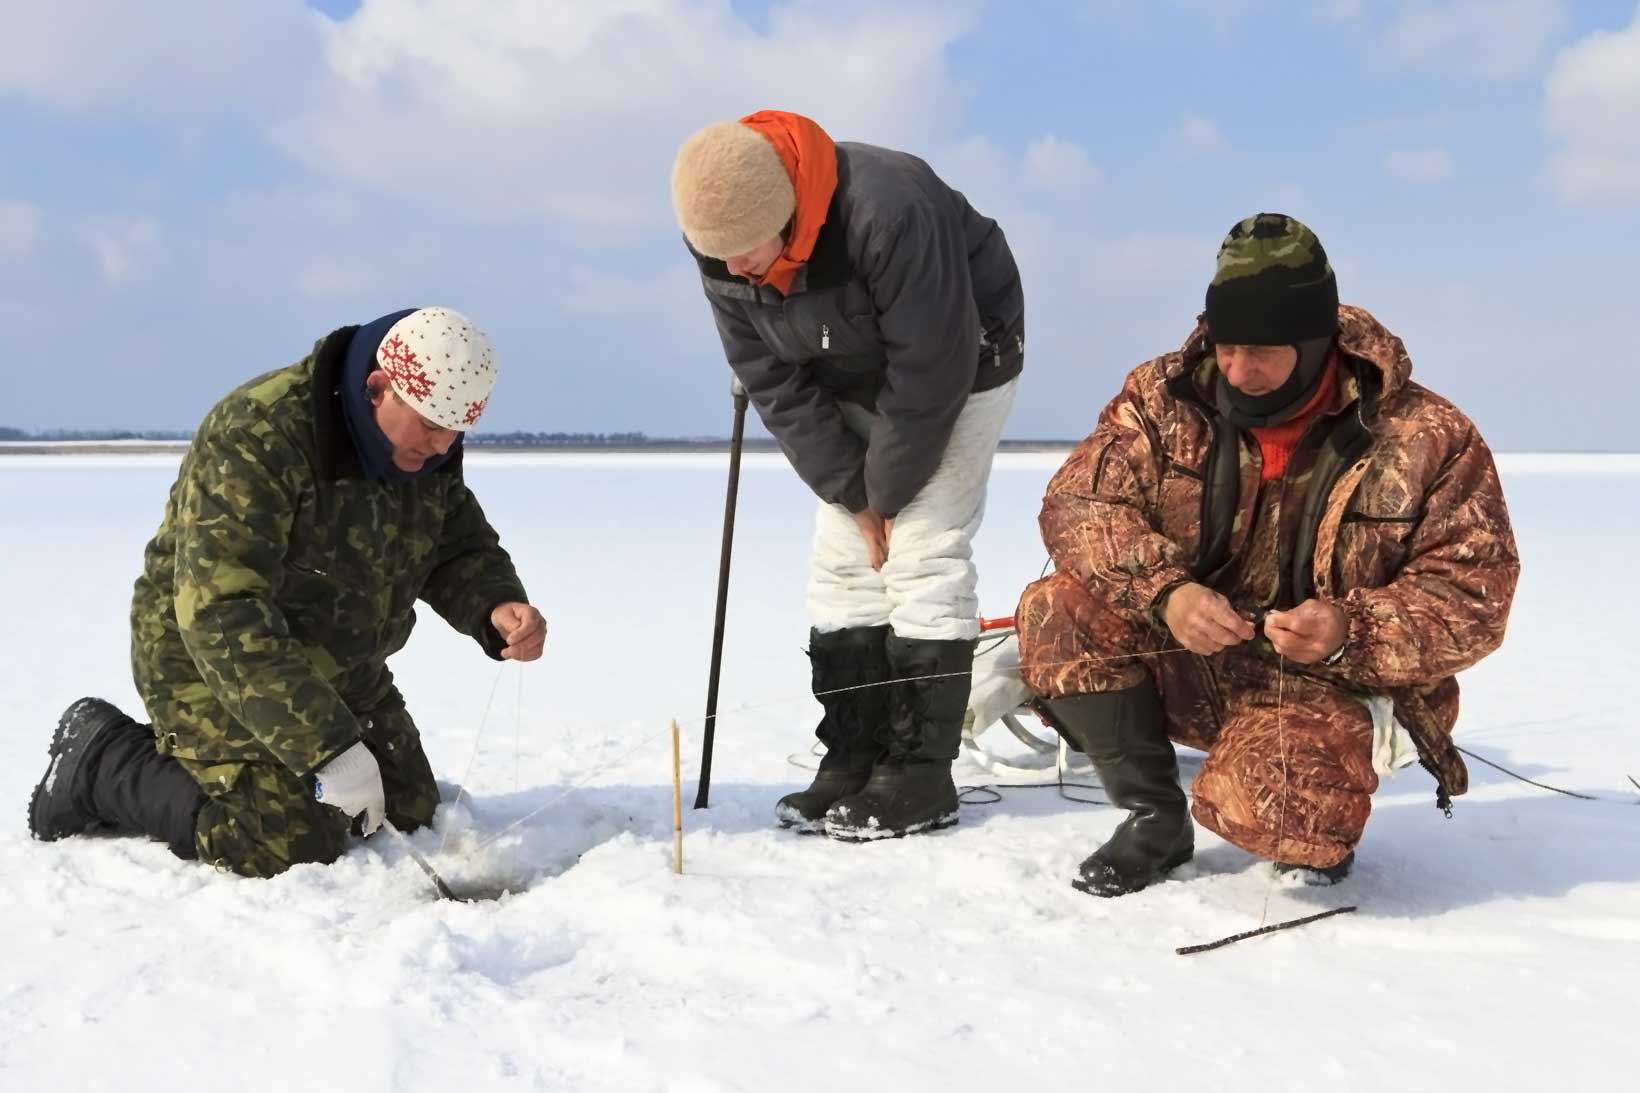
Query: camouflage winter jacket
1404, 525
281, 579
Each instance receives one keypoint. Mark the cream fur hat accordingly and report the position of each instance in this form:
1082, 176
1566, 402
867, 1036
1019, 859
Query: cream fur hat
441, 365
730, 190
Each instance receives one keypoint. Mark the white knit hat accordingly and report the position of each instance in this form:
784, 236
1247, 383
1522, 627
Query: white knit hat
441, 365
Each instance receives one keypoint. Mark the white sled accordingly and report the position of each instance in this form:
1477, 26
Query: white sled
999, 697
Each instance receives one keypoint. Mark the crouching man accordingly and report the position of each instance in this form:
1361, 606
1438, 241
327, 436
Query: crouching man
316, 504
1269, 534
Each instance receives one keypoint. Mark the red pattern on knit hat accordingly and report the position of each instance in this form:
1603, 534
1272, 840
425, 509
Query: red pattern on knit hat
404, 369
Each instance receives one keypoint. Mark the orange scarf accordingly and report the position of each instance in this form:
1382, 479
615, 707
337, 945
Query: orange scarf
810, 158
1276, 442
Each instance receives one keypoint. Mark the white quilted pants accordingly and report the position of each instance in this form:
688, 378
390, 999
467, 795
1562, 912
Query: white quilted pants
927, 589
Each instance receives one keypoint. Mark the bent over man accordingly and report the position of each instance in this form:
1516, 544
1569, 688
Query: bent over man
315, 506
1273, 540
876, 320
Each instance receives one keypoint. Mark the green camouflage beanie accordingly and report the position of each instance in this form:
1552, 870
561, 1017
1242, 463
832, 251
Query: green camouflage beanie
1273, 285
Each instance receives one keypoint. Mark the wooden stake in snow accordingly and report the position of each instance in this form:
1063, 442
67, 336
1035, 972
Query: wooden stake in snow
677, 806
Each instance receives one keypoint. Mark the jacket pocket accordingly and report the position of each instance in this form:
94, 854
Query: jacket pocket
1179, 506
1371, 548
836, 335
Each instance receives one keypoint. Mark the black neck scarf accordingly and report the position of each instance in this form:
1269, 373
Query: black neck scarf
375, 450
1272, 408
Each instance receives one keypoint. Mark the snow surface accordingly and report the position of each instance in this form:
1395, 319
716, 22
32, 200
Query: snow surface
1497, 950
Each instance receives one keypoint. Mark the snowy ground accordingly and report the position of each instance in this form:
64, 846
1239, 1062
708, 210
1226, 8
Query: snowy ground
1497, 950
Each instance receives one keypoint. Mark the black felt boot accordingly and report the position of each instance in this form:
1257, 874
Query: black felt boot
910, 789
1318, 876
850, 668
1123, 733
106, 778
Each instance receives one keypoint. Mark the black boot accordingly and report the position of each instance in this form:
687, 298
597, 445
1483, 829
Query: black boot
1318, 876
106, 778
850, 668
910, 789
1123, 733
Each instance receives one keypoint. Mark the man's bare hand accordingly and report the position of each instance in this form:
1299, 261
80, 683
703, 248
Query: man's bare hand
1310, 632
874, 529
1203, 621
522, 628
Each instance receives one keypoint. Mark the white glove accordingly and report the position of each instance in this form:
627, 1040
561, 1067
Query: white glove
352, 782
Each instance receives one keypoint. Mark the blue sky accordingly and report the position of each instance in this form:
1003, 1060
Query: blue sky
191, 193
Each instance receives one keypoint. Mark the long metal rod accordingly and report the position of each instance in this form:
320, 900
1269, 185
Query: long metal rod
703, 791
426, 866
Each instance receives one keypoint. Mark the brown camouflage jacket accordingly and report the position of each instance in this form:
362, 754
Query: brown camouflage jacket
281, 578
1404, 525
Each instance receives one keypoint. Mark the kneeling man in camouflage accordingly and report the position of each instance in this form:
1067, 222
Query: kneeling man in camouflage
316, 505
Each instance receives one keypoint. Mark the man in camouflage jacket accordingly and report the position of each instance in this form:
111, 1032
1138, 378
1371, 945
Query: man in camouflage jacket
1269, 532
315, 506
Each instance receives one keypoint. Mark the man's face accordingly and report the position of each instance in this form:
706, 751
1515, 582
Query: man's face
1256, 369
413, 438
756, 262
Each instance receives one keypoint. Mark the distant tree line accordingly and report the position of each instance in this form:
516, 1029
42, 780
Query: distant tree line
515, 439
8, 433
519, 439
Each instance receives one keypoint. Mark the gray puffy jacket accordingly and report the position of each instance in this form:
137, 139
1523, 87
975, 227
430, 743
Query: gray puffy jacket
910, 302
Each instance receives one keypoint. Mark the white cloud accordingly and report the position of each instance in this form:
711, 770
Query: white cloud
1486, 39
573, 110
1055, 164
1432, 164
126, 248
165, 58
327, 280
1153, 259
1197, 138
19, 228
1593, 107
676, 290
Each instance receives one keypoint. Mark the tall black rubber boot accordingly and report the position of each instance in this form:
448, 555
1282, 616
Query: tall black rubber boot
910, 789
850, 673
1124, 734
1319, 876
106, 778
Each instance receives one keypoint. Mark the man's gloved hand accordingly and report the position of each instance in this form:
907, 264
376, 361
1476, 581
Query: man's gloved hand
352, 782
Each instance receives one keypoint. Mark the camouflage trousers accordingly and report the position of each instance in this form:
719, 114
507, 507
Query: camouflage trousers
261, 819
1288, 774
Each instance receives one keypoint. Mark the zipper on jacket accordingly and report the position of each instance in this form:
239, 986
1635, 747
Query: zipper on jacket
825, 336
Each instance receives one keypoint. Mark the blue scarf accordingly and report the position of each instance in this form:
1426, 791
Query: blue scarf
375, 451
